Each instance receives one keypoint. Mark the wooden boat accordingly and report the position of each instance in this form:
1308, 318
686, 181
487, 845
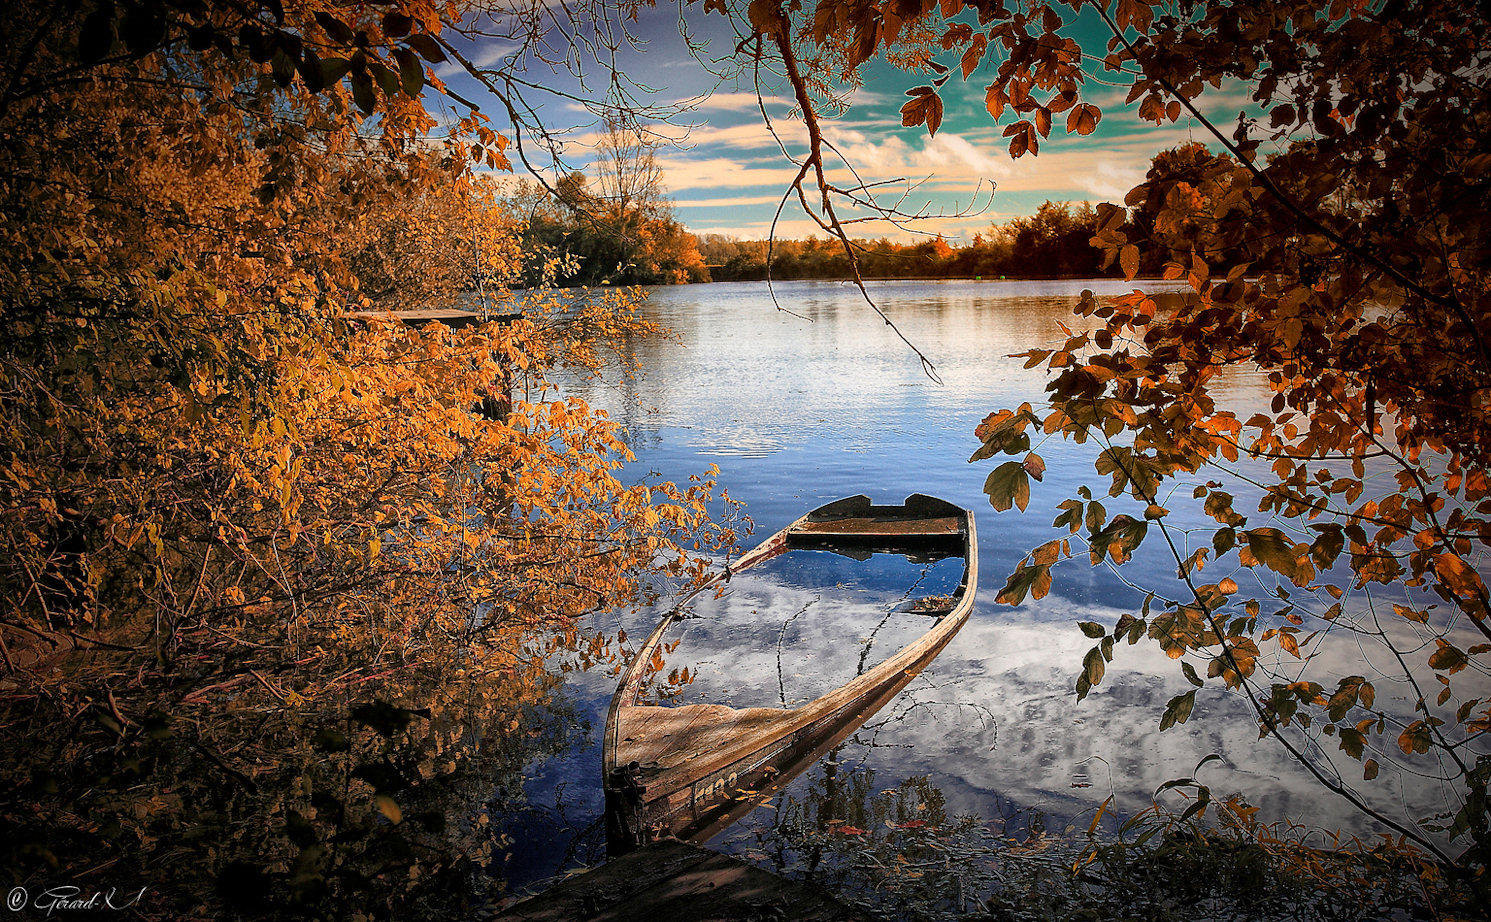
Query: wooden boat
689, 771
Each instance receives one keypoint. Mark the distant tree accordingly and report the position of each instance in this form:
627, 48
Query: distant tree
433, 245
627, 175
667, 254
1174, 176
928, 258
1055, 241
730, 259
716, 249
618, 227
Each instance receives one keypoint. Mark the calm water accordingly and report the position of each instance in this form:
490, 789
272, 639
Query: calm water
799, 410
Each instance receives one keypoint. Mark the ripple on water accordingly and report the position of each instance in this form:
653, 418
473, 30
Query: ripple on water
798, 413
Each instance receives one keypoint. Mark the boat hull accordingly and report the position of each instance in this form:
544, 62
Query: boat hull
688, 772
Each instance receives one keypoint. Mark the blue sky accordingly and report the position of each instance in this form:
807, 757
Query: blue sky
725, 173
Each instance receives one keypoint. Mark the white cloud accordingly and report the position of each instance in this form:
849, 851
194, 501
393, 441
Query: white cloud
954, 162
796, 228
722, 174
747, 136
730, 102
949, 173
739, 168
490, 54
1110, 743
731, 202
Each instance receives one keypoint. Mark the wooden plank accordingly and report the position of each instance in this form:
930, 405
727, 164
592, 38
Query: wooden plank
673, 881
450, 316
673, 735
888, 527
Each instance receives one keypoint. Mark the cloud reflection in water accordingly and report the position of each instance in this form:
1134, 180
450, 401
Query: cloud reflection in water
803, 624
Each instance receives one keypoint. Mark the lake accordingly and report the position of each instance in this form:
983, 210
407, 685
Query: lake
800, 408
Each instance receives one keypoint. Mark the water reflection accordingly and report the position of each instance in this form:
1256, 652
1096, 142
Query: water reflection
796, 413
801, 625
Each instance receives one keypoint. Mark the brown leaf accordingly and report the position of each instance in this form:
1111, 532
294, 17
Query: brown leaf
1415, 738
1083, 120
1043, 121
1023, 139
1007, 485
765, 16
995, 101
973, 55
1273, 549
1448, 657
925, 107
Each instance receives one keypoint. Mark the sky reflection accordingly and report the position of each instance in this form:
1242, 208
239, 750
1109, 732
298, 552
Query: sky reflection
797, 413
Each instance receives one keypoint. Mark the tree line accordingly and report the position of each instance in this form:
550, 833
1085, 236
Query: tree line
620, 229
1053, 243
1059, 241
601, 243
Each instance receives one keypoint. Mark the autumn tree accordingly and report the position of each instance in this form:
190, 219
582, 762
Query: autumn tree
1177, 172
1055, 241
624, 220
612, 232
1336, 246
627, 175
433, 244
278, 606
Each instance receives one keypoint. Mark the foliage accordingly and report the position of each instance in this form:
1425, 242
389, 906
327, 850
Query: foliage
1173, 174
1339, 253
898, 852
279, 606
1235, 859
1367, 328
618, 230
434, 244
1055, 242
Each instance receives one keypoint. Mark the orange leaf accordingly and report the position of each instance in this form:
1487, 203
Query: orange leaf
924, 107
1414, 738
1043, 121
1457, 575
1083, 120
974, 54
1448, 657
995, 100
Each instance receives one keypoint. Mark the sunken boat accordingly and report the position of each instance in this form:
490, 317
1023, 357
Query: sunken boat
688, 771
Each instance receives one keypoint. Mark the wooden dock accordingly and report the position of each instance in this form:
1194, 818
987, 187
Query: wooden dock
679, 882
451, 317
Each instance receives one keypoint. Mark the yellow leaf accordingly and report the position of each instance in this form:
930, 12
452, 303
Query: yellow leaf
389, 808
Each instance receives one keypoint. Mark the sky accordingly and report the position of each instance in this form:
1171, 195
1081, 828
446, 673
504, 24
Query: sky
726, 174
